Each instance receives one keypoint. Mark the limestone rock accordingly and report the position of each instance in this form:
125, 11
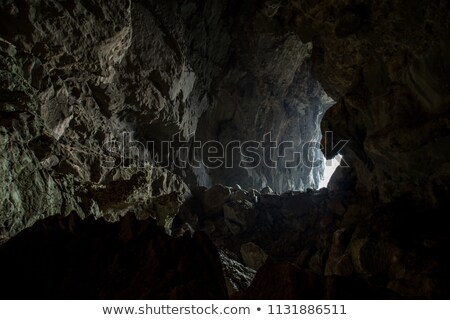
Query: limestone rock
92, 92
254, 194
266, 190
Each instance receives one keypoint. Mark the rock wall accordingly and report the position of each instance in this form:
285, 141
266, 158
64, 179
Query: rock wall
386, 65
74, 76
267, 87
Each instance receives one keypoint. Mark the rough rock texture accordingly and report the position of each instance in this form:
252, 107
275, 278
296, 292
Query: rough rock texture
252, 255
387, 65
75, 75
237, 276
67, 258
375, 249
282, 280
267, 87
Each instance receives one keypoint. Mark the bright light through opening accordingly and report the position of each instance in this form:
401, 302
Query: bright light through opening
330, 168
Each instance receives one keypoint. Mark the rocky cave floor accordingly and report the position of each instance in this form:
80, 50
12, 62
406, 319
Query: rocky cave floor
231, 243
83, 216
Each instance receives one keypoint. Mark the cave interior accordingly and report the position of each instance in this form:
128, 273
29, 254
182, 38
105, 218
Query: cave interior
163, 149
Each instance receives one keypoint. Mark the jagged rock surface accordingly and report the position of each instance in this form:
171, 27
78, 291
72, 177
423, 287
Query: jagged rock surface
238, 277
75, 75
379, 249
386, 64
267, 87
282, 280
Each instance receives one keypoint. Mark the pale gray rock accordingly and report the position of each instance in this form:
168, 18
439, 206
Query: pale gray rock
266, 190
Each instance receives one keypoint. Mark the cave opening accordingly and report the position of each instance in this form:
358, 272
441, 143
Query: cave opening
94, 97
329, 169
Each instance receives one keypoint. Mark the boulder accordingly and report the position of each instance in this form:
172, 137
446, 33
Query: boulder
238, 215
237, 276
214, 199
252, 255
266, 190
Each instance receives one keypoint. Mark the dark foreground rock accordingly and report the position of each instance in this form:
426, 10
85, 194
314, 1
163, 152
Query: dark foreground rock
283, 280
67, 258
330, 244
82, 82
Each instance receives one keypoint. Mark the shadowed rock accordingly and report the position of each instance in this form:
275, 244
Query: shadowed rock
67, 258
